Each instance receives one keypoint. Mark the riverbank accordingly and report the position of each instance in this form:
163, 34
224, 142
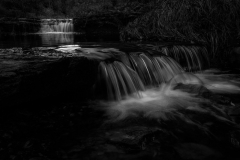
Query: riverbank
51, 73
105, 101
48, 118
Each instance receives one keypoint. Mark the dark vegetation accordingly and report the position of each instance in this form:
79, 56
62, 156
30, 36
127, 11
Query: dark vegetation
46, 114
213, 23
58, 8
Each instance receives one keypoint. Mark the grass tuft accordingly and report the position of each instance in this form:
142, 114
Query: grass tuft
213, 23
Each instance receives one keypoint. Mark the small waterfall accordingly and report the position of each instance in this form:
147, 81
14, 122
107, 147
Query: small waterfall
154, 70
191, 58
119, 79
136, 72
151, 89
126, 71
56, 25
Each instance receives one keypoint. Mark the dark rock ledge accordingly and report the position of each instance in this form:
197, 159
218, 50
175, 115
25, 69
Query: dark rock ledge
40, 74
19, 25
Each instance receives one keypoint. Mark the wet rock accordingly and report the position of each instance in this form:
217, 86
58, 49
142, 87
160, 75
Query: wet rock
35, 78
234, 113
197, 89
19, 25
193, 151
8, 74
233, 58
131, 136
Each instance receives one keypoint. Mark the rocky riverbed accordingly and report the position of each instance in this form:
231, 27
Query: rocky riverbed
47, 113
37, 73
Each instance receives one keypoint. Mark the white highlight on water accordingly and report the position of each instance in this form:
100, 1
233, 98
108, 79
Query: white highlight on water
68, 48
158, 103
217, 82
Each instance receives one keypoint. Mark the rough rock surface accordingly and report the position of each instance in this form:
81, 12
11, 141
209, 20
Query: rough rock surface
45, 115
36, 74
19, 25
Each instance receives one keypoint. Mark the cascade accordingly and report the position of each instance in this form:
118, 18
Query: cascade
151, 88
124, 74
137, 72
119, 79
127, 71
147, 89
56, 25
191, 58
138, 87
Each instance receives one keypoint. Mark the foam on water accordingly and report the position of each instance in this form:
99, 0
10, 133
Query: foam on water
138, 84
68, 48
219, 83
154, 103
167, 103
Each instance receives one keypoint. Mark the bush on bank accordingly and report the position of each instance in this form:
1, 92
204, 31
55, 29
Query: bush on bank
214, 23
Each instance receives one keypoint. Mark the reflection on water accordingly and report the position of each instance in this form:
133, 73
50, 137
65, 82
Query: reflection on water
50, 39
53, 39
36, 40
9, 41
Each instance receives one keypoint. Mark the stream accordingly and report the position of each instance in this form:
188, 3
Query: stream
65, 96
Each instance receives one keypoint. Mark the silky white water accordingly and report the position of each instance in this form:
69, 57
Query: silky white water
169, 102
56, 26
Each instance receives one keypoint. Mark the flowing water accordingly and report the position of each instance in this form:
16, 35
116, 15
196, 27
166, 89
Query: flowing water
56, 25
164, 101
155, 90
141, 81
125, 71
169, 85
52, 32
145, 84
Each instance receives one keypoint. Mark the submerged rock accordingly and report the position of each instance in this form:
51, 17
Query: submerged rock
192, 151
187, 121
19, 25
43, 74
